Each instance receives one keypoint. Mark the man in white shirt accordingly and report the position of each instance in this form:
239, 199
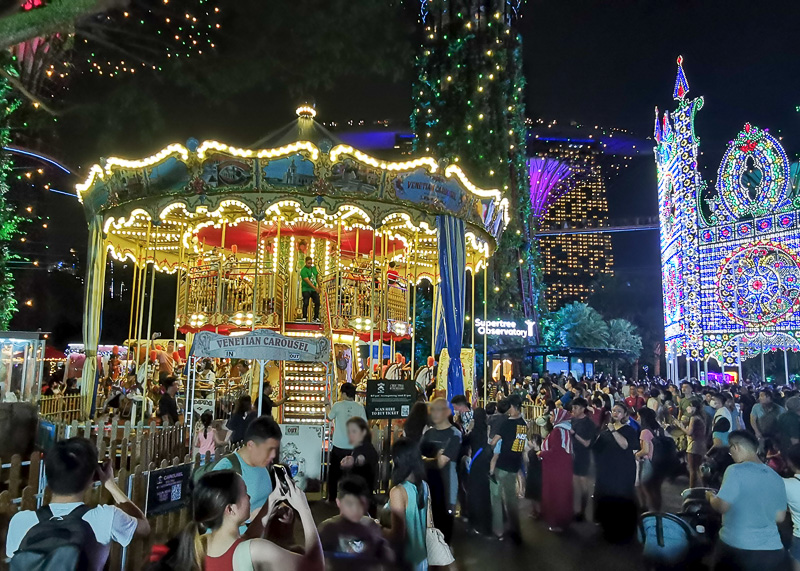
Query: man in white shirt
718, 404
339, 414
71, 467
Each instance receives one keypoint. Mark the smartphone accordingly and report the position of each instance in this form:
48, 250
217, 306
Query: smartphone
281, 477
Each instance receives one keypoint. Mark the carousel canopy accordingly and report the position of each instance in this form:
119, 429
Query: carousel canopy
298, 181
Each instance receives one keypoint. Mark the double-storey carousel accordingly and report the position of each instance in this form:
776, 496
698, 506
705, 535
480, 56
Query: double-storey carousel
238, 225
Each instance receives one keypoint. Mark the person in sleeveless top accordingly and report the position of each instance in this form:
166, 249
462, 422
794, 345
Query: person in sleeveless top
408, 505
212, 542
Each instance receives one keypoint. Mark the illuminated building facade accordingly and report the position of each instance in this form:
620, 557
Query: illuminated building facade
730, 253
568, 191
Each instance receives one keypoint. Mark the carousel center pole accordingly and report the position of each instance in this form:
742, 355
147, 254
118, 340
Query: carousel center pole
177, 296
383, 297
414, 303
255, 286
372, 311
150, 316
142, 292
134, 294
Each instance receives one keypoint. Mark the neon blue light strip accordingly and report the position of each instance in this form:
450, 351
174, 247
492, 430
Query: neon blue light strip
38, 156
62, 192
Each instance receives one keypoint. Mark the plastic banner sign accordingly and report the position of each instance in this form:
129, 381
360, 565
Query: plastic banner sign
261, 344
167, 489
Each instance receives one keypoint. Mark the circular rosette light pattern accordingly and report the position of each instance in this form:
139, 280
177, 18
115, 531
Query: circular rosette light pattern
759, 284
753, 177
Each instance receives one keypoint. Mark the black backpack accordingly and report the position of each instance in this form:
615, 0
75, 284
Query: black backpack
56, 543
665, 455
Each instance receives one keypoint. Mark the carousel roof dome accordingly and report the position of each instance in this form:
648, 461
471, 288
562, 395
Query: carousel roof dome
304, 128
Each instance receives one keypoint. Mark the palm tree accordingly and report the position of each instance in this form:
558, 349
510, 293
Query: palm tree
578, 325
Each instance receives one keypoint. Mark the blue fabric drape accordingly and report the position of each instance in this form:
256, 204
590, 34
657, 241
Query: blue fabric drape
452, 269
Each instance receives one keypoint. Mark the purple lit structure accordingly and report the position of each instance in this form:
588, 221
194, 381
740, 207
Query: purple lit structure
547, 176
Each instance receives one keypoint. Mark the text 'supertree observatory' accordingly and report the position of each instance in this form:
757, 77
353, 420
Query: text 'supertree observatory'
469, 104
730, 252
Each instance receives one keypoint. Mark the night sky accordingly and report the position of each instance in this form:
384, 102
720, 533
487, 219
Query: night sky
596, 62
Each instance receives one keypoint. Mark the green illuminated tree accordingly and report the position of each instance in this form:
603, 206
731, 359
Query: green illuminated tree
9, 221
469, 105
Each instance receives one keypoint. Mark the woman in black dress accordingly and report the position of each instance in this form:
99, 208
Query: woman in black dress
478, 498
614, 492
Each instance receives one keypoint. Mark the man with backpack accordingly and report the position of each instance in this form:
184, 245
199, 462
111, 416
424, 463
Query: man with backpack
67, 534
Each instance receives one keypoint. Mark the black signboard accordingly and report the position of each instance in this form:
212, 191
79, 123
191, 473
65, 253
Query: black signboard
390, 398
167, 489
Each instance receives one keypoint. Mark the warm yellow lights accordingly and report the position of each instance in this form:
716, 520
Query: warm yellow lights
339, 150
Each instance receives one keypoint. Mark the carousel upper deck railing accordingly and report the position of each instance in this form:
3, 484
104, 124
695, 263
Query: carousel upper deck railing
355, 303
235, 293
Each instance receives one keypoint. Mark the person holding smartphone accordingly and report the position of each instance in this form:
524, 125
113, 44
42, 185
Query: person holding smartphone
212, 541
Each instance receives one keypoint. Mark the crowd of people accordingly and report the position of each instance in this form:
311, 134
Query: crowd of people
617, 442
557, 449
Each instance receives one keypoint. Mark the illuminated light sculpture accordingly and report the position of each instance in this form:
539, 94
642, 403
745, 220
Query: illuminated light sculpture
730, 254
547, 177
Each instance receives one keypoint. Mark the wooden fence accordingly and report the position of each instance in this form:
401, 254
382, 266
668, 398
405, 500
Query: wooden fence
60, 408
133, 451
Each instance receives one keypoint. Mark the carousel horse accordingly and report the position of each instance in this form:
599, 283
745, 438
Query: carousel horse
423, 377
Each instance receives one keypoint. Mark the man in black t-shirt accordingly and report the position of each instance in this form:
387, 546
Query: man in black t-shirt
167, 407
442, 443
512, 436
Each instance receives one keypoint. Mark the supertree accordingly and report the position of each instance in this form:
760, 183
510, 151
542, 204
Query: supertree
547, 178
469, 106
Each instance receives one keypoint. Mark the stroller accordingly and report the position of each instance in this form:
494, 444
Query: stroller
680, 540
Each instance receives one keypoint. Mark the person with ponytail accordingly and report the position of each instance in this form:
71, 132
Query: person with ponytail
212, 542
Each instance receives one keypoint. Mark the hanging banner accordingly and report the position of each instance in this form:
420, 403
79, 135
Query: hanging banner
262, 344
467, 365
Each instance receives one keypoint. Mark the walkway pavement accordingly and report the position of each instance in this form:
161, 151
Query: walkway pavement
581, 548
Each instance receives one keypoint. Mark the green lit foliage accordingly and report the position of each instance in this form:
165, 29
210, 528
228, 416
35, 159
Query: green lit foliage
9, 221
468, 105
622, 335
578, 325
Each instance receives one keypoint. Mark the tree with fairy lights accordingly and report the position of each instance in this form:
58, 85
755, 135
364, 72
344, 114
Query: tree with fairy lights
9, 221
469, 106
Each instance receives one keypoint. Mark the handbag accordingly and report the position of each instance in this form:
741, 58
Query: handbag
439, 553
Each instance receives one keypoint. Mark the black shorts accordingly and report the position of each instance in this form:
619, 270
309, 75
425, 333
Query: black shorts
581, 463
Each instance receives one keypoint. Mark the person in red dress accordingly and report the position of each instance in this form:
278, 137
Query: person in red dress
556, 455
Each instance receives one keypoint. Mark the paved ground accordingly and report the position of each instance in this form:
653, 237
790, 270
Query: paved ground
579, 548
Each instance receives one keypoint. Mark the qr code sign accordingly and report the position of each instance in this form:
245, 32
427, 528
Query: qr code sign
175, 493
404, 410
